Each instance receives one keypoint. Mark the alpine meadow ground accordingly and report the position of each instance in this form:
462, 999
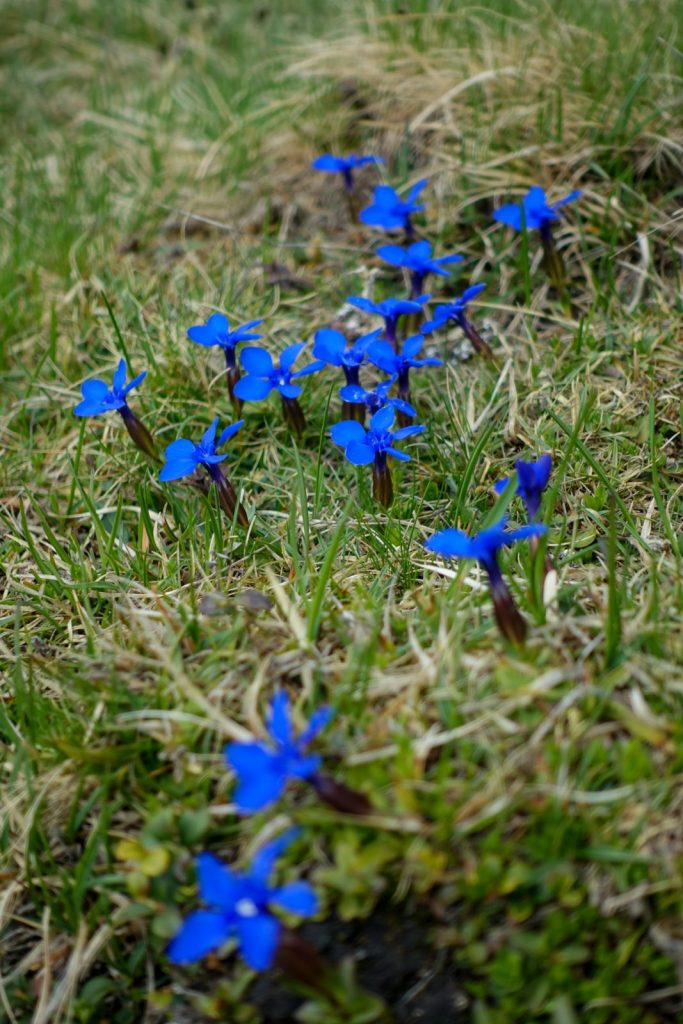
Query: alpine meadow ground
519, 856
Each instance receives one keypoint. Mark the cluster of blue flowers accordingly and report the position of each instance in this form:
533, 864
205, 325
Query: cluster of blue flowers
241, 905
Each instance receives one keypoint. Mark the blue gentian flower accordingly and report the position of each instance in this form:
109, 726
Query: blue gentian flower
240, 906
216, 332
456, 311
362, 447
376, 399
263, 376
532, 480
538, 213
382, 354
391, 310
391, 213
418, 259
330, 347
264, 769
484, 547
184, 456
99, 398
344, 165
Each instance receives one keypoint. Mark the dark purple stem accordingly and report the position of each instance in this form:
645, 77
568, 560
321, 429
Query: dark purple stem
230, 503
139, 433
339, 796
417, 279
390, 325
382, 486
478, 343
293, 415
232, 376
510, 622
552, 259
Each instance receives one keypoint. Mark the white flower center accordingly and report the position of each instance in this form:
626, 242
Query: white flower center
246, 908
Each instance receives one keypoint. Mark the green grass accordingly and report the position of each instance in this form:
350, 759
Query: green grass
155, 156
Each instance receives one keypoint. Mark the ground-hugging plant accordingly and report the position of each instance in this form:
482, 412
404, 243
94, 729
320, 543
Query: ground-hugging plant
240, 905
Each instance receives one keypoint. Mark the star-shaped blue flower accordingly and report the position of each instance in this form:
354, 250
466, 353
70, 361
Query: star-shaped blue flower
391, 310
483, 546
263, 376
344, 165
216, 331
99, 398
183, 456
382, 354
532, 480
418, 259
264, 769
389, 211
240, 906
454, 310
361, 446
538, 213
377, 398
330, 347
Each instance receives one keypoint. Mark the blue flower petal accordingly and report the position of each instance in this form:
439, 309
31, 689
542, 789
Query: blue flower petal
402, 406
318, 721
353, 393
180, 449
411, 431
360, 302
210, 433
201, 335
280, 719
134, 383
346, 431
359, 453
119, 377
297, 898
229, 432
258, 937
382, 420
396, 453
217, 885
94, 390
252, 758
393, 254
263, 861
450, 544
329, 344
178, 468
327, 162
218, 324
256, 361
472, 292
306, 371
572, 197
289, 390
411, 346
510, 214
253, 793
289, 355
253, 389
200, 933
